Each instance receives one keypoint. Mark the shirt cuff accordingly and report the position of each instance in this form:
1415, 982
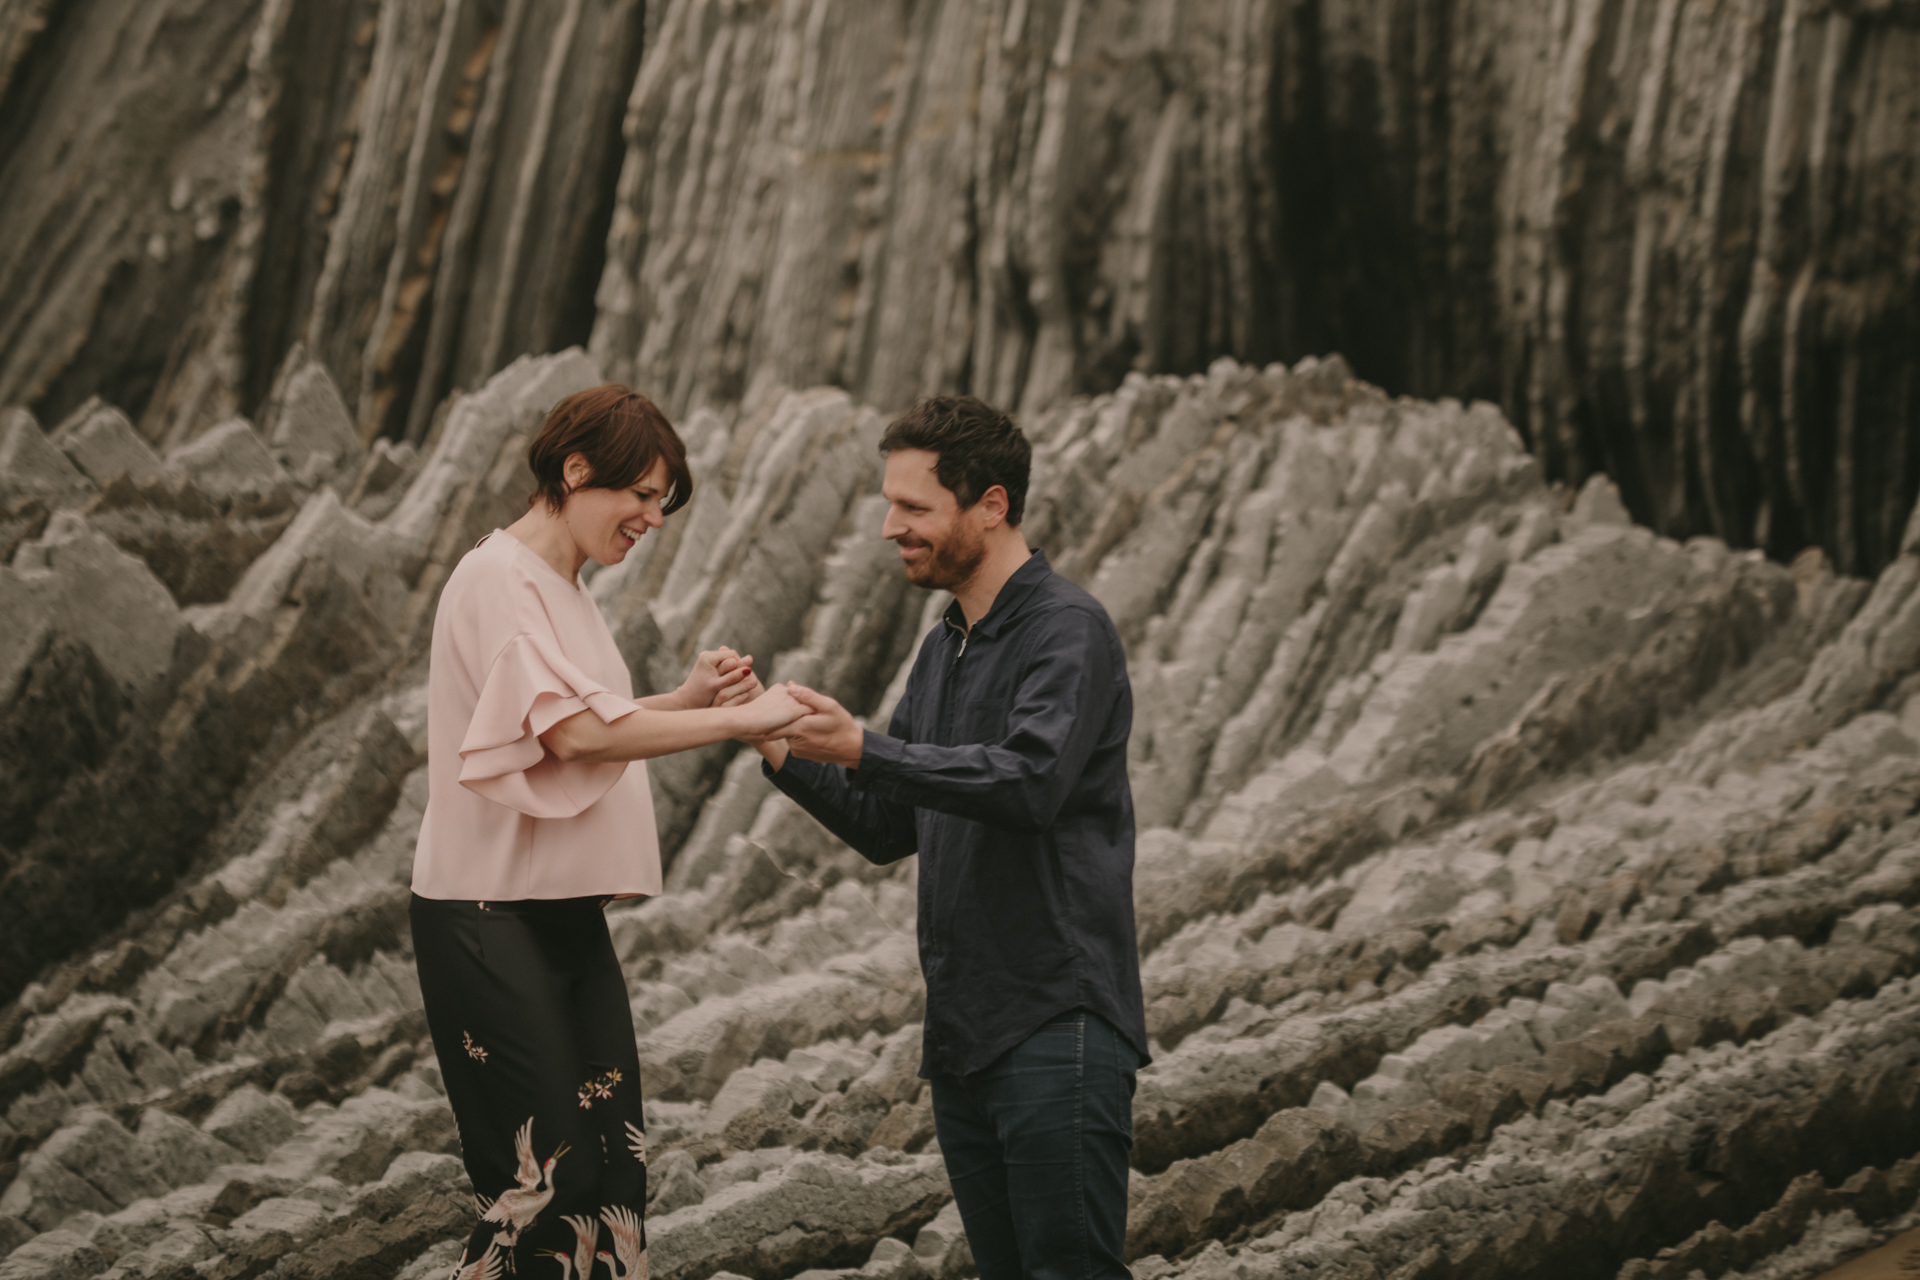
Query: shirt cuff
794, 776
881, 758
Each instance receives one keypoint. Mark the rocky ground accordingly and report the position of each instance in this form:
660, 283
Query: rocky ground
1520, 893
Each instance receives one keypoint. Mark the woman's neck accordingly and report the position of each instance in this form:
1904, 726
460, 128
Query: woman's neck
547, 536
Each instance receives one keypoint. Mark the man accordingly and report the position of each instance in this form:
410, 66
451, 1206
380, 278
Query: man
1004, 767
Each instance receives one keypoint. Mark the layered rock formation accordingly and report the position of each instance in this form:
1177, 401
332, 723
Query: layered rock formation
417, 192
1676, 242
1519, 892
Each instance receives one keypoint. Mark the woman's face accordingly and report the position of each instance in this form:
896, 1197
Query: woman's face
606, 523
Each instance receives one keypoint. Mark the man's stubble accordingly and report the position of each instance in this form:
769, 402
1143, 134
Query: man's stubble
951, 562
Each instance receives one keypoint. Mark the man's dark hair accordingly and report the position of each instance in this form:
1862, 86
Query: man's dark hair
979, 448
621, 433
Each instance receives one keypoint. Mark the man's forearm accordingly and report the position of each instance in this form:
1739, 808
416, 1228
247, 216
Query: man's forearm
878, 830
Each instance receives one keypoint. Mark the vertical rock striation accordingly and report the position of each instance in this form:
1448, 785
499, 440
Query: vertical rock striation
418, 193
1676, 242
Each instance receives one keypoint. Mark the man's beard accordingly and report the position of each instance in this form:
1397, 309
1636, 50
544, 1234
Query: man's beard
948, 563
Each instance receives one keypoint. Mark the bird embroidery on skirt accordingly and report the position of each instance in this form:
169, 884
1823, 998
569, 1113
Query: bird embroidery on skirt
518, 1207
485, 1267
628, 1261
636, 1142
586, 1233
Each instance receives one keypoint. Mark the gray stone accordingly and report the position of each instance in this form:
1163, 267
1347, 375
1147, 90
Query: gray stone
307, 424
180, 1248
57, 1255
816, 1206
673, 1182
941, 1246
228, 460
92, 1166
31, 466
74, 582
183, 1152
103, 444
251, 1121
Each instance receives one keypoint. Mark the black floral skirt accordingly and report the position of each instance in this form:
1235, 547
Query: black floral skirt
530, 1019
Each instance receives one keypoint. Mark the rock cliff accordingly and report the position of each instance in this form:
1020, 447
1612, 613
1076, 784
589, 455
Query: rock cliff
1520, 892
1676, 242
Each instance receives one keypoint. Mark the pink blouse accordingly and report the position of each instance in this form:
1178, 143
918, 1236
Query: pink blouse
517, 649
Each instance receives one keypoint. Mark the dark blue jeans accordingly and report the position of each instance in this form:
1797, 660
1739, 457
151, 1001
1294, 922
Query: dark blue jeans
1036, 1148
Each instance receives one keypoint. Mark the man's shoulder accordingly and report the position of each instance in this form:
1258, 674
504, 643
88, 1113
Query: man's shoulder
1058, 599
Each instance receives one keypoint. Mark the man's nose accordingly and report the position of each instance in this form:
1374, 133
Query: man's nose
890, 528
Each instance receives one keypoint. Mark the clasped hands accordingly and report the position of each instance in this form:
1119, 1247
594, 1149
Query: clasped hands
809, 724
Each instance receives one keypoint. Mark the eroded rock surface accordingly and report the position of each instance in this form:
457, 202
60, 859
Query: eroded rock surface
1519, 892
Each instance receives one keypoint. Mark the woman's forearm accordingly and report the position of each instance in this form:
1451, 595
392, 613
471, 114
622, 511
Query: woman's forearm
642, 734
663, 701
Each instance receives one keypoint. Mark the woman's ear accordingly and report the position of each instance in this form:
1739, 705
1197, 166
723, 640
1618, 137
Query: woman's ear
577, 471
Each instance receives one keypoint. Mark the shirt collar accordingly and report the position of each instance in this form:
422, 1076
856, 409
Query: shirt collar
1007, 604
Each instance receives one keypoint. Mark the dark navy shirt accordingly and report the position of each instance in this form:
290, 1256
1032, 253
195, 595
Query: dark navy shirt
1005, 768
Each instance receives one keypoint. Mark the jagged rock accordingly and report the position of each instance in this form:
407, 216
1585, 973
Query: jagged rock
306, 423
31, 467
95, 1165
196, 549
74, 582
104, 445
1399, 978
57, 1255
693, 1054
252, 1121
815, 1210
228, 460
941, 1247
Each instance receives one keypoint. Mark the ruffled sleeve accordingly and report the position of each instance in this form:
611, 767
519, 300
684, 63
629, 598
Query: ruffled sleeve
530, 688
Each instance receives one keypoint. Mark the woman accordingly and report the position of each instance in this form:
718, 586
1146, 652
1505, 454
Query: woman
535, 819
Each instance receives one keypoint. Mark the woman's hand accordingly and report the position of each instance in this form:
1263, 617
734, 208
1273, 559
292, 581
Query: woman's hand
743, 691
773, 710
716, 679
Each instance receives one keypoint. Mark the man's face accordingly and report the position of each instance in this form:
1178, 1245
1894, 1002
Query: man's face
940, 545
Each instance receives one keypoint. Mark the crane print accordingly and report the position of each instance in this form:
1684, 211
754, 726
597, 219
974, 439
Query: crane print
518, 1207
628, 1261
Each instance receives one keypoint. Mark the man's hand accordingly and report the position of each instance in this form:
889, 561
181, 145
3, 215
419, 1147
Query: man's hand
827, 733
717, 679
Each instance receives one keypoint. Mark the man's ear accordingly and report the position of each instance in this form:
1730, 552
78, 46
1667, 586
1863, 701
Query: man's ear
993, 506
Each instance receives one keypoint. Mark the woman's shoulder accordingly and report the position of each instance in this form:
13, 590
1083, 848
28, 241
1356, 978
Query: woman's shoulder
490, 582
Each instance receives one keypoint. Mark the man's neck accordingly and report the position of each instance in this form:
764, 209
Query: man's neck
1005, 555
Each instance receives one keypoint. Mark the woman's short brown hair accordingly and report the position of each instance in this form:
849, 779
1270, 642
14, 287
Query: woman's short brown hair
621, 434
